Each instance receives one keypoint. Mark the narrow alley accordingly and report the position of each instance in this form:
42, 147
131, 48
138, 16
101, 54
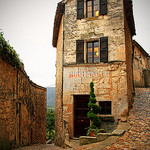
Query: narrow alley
137, 138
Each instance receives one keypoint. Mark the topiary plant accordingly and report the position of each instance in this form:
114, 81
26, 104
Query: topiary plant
94, 109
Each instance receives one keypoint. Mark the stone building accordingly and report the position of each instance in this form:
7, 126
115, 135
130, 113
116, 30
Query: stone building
141, 66
22, 108
94, 43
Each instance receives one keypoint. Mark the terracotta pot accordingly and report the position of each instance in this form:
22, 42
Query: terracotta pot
92, 133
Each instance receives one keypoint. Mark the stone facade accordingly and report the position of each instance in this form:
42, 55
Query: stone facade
110, 82
141, 62
22, 108
113, 80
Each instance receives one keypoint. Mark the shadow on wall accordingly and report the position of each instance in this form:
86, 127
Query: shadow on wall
147, 78
4, 138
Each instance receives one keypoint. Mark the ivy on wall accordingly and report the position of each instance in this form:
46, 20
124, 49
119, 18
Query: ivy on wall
8, 53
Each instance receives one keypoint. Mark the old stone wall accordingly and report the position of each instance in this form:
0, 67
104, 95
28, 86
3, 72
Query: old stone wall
89, 29
140, 63
147, 78
110, 85
129, 61
59, 89
22, 108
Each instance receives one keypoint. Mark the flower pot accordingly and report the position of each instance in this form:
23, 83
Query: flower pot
92, 133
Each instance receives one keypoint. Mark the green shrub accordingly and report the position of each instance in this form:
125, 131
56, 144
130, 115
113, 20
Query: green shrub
50, 124
8, 53
94, 109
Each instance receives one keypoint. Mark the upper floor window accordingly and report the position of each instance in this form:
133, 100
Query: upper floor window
93, 8
97, 51
93, 52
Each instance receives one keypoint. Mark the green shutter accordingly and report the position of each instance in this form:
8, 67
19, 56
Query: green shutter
104, 49
103, 7
79, 51
80, 9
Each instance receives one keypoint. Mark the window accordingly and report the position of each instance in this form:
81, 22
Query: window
93, 52
93, 8
105, 107
97, 51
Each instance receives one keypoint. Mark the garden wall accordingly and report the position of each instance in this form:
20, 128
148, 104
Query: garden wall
22, 108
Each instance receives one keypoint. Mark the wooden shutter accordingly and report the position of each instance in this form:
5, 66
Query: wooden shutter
80, 9
103, 7
79, 51
104, 49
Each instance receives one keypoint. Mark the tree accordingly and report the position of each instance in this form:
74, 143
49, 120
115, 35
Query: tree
94, 110
50, 124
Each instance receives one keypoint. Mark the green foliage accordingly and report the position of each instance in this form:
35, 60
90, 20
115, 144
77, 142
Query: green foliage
96, 130
8, 53
93, 100
93, 126
94, 109
50, 124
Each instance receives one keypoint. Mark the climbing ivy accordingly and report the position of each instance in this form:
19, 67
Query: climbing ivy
8, 53
94, 109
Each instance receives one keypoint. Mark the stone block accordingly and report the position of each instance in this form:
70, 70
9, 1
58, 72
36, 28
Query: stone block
87, 140
118, 132
103, 136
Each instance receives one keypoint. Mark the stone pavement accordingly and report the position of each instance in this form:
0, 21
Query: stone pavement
136, 138
41, 147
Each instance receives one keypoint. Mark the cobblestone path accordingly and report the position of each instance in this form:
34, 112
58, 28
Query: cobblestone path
138, 137
40, 147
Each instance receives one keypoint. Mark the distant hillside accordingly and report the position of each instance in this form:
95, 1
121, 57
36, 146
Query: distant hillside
51, 97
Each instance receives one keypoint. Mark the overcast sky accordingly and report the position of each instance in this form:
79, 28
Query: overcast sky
28, 25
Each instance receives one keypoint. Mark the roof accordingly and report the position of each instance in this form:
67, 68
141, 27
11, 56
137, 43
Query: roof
61, 8
140, 48
57, 21
129, 15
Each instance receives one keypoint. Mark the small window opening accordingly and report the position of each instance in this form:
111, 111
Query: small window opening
105, 107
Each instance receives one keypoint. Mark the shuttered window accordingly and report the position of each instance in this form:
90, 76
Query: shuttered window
79, 51
104, 49
80, 9
96, 8
96, 52
103, 7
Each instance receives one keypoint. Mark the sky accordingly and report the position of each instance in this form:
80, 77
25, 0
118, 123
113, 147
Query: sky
28, 26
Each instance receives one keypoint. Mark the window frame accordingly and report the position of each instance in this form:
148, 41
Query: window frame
92, 51
82, 10
106, 107
92, 8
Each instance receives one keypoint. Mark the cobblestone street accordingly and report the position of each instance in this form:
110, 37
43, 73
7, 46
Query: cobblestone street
137, 138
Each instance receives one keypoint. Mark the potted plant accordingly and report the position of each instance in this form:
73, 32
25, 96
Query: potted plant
94, 110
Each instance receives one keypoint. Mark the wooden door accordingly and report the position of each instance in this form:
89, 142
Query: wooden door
81, 122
